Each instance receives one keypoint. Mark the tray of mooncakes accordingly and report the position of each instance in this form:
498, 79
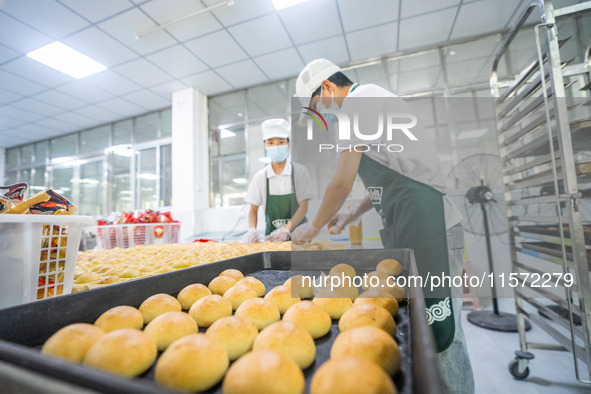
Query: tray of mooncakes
267, 322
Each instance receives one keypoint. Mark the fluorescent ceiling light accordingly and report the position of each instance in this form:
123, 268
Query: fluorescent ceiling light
225, 133
148, 177
464, 135
67, 60
281, 4
240, 181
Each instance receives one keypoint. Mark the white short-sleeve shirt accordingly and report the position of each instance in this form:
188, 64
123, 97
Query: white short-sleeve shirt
279, 184
419, 160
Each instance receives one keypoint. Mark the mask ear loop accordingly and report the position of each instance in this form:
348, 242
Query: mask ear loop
331, 96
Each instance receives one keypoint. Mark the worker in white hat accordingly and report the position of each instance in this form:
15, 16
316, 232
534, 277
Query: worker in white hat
283, 187
407, 189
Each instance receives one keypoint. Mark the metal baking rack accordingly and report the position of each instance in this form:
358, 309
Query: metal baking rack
543, 143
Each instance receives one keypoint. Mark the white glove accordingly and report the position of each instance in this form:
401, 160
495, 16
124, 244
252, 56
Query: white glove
251, 235
341, 219
279, 235
304, 233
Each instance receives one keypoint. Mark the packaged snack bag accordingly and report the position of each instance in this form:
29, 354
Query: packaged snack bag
48, 202
15, 192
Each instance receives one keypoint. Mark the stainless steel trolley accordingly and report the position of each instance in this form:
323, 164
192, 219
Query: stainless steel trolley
542, 145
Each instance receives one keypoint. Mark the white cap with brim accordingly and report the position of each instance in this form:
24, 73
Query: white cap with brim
311, 78
276, 128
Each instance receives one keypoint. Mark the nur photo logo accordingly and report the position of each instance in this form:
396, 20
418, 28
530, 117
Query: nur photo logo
368, 128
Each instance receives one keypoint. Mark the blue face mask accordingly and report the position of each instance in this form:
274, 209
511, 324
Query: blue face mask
328, 113
278, 154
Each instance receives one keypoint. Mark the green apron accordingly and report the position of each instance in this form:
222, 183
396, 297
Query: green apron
413, 217
280, 208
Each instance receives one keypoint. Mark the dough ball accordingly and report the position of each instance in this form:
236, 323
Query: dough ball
233, 273
158, 304
347, 291
332, 302
259, 311
371, 344
310, 316
396, 291
190, 294
209, 309
120, 317
254, 284
290, 339
342, 269
300, 287
264, 372
192, 363
390, 267
73, 341
170, 326
126, 352
334, 230
351, 375
236, 335
281, 297
221, 284
238, 294
368, 315
368, 282
378, 297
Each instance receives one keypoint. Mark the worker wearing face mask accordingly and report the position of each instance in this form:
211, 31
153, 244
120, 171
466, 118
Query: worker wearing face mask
282, 187
405, 186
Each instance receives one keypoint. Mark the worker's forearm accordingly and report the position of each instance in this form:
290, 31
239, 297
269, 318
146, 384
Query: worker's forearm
333, 200
298, 215
363, 206
252, 218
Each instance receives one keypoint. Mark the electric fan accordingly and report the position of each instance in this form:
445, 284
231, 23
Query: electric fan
477, 191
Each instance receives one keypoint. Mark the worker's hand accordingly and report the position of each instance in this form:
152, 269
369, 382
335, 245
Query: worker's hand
304, 233
340, 220
279, 235
251, 236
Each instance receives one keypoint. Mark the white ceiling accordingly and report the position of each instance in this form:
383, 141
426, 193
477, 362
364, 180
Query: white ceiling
246, 44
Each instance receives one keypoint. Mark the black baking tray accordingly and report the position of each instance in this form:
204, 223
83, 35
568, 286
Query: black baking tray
24, 328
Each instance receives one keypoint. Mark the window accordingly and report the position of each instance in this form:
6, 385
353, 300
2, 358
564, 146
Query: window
40, 152
146, 178
27, 155
122, 132
118, 167
95, 140
64, 146
147, 127
121, 183
91, 186
12, 157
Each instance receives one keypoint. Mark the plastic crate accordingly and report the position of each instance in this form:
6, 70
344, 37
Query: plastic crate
37, 256
130, 235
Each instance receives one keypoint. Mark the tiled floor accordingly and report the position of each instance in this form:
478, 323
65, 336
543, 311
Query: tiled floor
491, 351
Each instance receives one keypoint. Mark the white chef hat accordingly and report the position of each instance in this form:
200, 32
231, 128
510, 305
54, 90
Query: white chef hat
311, 78
277, 127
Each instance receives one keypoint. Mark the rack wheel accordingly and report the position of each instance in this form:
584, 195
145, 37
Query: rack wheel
514, 370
